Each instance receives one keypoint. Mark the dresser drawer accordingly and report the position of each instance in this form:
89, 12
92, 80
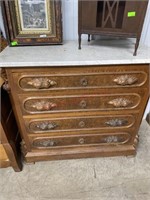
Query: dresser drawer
79, 78
70, 103
79, 123
82, 140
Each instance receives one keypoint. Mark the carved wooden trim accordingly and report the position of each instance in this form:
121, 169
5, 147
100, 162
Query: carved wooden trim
120, 102
6, 86
136, 141
41, 83
3, 74
4, 77
125, 80
23, 148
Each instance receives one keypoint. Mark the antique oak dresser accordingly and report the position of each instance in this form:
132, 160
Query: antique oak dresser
76, 105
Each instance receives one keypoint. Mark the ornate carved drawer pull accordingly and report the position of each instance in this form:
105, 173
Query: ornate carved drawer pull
83, 104
116, 122
82, 124
44, 106
120, 102
81, 141
44, 126
41, 83
125, 80
44, 143
111, 139
84, 82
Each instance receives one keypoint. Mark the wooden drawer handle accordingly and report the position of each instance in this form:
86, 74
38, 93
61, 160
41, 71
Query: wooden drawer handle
116, 122
83, 104
46, 126
120, 102
84, 82
41, 83
44, 143
111, 139
125, 80
44, 105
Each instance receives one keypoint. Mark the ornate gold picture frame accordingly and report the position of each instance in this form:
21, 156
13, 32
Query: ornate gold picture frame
32, 22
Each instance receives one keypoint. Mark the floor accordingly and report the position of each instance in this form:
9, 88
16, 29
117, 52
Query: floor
117, 178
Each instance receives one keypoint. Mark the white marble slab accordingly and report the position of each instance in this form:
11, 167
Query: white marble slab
101, 52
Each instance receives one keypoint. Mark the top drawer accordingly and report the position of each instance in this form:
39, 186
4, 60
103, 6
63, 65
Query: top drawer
79, 78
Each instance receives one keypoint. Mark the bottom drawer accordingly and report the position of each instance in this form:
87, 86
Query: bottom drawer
86, 139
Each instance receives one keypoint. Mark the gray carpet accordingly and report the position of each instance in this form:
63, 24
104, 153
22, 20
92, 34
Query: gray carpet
117, 178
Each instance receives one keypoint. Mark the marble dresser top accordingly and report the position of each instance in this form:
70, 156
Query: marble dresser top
101, 52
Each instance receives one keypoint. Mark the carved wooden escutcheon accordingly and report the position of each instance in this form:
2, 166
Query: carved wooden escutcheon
84, 82
81, 141
83, 104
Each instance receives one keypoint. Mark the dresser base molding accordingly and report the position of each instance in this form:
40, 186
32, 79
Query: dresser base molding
76, 153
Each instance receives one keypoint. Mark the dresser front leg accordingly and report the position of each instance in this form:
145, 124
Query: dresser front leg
136, 46
89, 37
79, 40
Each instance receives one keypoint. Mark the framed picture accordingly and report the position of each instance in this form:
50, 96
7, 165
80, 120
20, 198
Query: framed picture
32, 22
